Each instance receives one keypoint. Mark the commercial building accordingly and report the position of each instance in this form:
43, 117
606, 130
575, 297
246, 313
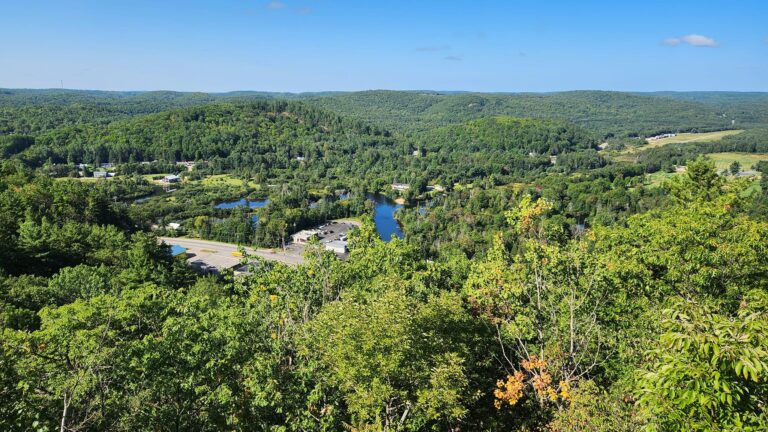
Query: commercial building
337, 246
303, 236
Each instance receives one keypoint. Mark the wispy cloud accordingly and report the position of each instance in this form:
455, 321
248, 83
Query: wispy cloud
696, 40
434, 48
453, 58
276, 5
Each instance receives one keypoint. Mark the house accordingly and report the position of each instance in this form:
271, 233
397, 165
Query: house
107, 165
416, 153
171, 179
337, 246
401, 186
301, 158
173, 226
553, 160
100, 174
303, 236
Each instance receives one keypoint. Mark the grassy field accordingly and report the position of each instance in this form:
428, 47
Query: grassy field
747, 160
722, 162
691, 137
657, 178
225, 180
680, 138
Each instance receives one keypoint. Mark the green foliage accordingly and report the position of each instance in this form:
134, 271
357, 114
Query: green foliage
709, 370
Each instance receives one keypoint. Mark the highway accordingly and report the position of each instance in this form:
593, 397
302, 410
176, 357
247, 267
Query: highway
206, 253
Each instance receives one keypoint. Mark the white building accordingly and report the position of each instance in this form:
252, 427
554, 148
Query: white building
303, 236
401, 186
337, 246
171, 179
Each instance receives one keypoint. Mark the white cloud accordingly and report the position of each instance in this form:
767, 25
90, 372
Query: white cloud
696, 40
699, 40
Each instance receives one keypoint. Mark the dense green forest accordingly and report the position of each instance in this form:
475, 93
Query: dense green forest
544, 282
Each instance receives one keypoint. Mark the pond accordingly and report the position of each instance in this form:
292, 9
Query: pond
384, 217
243, 203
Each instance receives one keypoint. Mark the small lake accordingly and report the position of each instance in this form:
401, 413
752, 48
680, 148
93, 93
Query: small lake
243, 203
384, 217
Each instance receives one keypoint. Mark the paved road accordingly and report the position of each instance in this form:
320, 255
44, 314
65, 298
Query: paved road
219, 255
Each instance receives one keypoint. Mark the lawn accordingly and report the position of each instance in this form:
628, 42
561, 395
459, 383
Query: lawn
681, 138
691, 137
225, 180
747, 160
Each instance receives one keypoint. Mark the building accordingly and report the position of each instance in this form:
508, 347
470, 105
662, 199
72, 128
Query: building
662, 136
401, 186
100, 174
337, 246
171, 179
107, 165
301, 158
303, 236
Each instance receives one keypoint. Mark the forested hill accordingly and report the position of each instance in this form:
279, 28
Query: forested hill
256, 133
747, 108
521, 135
35, 111
608, 113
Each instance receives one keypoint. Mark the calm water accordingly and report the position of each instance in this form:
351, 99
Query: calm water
243, 203
384, 217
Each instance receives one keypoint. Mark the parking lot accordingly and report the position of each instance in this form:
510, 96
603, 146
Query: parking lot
334, 231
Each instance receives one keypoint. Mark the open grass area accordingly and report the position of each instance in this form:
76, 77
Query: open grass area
226, 180
657, 178
149, 177
722, 162
692, 137
747, 160
221, 179
681, 138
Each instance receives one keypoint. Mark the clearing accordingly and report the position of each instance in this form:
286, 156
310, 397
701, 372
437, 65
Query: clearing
747, 160
682, 138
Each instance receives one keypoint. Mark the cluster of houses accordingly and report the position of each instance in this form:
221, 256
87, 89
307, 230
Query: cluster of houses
662, 136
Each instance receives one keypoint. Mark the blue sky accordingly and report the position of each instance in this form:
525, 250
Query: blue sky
317, 45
